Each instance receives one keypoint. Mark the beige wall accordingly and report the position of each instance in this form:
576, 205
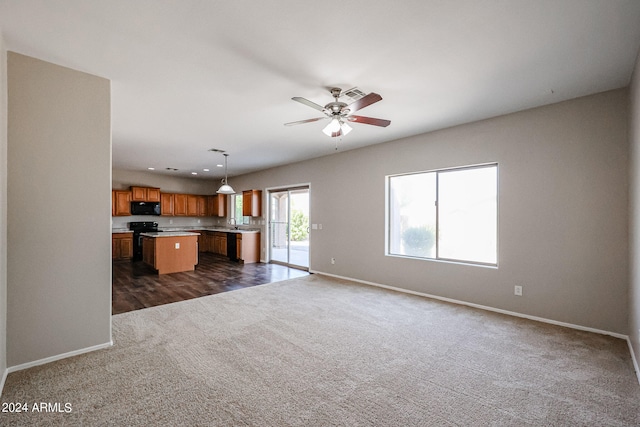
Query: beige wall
123, 179
634, 138
3, 207
563, 207
59, 181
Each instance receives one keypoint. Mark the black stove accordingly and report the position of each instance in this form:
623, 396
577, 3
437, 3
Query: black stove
137, 228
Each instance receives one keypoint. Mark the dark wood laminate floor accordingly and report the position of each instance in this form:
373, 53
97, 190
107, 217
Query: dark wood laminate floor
136, 285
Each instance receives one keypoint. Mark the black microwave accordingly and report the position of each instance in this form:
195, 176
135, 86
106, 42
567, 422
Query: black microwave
145, 208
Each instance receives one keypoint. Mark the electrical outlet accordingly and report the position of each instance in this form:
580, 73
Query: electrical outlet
177, 245
517, 290
333, 260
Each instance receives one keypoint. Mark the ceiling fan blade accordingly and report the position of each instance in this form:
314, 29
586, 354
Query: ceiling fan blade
364, 102
309, 103
305, 121
369, 120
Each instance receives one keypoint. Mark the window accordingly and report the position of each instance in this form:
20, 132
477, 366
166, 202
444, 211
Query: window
236, 209
449, 214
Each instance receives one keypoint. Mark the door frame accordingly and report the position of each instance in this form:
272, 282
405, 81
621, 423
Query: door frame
279, 189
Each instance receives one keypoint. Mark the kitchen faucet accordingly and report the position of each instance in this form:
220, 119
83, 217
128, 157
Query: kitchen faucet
235, 224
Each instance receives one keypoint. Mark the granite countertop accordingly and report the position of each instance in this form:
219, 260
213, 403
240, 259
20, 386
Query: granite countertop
191, 229
209, 228
168, 234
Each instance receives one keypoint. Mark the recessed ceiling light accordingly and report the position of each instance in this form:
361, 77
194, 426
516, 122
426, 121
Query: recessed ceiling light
151, 169
205, 170
194, 173
220, 166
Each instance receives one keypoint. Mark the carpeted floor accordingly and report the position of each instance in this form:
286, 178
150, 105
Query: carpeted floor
316, 351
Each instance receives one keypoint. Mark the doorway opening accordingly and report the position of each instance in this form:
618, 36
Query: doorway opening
289, 227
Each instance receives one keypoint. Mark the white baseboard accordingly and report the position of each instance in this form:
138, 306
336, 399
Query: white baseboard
57, 357
482, 307
633, 358
50, 359
4, 378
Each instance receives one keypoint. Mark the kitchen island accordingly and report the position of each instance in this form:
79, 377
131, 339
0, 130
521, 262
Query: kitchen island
240, 245
170, 252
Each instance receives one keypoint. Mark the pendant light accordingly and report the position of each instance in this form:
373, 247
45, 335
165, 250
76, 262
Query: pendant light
225, 188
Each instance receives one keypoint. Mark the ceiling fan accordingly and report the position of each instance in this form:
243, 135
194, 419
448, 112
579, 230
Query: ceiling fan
339, 113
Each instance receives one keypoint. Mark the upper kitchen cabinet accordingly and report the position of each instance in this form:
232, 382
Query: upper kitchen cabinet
192, 205
121, 203
252, 203
196, 205
166, 204
145, 194
180, 204
217, 205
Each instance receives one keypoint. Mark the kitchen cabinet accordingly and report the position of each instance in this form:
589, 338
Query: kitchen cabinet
252, 203
201, 205
121, 245
192, 205
145, 194
219, 243
203, 240
196, 205
170, 252
180, 204
148, 250
121, 201
166, 204
217, 205
248, 247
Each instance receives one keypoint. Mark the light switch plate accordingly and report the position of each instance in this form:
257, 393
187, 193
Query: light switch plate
177, 245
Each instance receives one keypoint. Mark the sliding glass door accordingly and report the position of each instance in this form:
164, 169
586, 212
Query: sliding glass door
289, 227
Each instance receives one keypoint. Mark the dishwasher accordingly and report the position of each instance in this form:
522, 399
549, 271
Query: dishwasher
232, 246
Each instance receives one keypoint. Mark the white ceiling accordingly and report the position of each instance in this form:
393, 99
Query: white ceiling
190, 75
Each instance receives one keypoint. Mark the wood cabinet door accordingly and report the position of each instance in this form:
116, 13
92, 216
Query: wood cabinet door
149, 251
123, 203
138, 194
203, 242
166, 204
219, 205
192, 205
126, 247
223, 244
153, 195
121, 246
252, 203
201, 208
180, 204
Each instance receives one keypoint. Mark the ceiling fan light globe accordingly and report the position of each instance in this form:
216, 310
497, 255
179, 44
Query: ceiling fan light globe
332, 128
345, 128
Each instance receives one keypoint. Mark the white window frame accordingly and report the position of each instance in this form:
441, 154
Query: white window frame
232, 211
437, 257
